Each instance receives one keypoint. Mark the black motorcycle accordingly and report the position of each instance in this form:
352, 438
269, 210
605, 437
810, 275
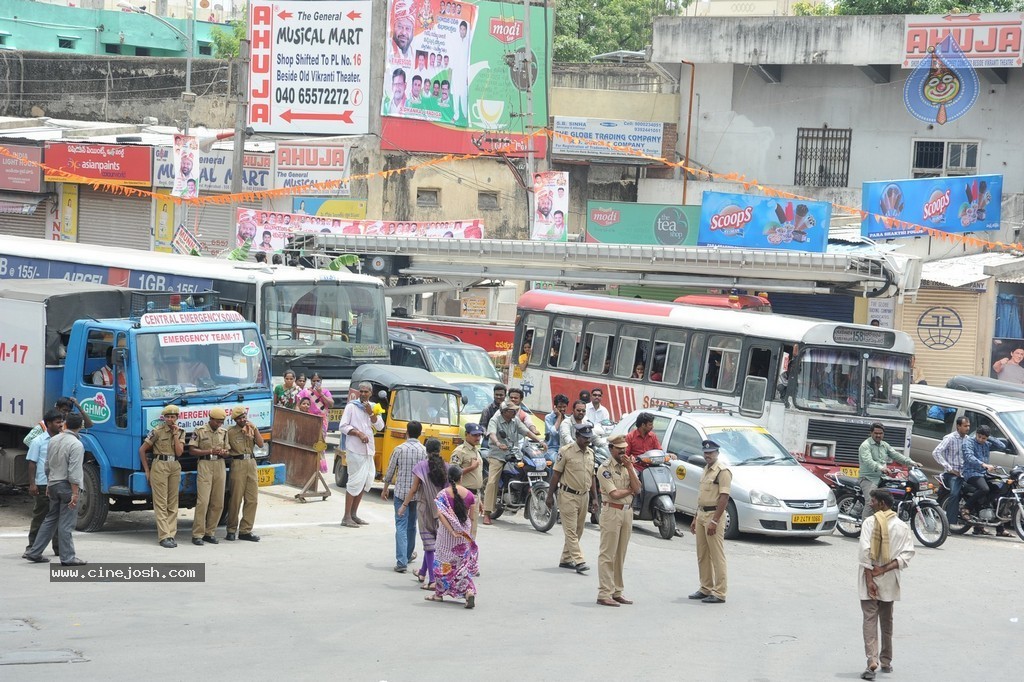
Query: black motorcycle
524, 485
915, 505
1004, 506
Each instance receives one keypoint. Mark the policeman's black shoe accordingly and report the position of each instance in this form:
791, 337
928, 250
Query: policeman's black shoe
712, 599
230, 537
697, 595
567, 564
168, 543
582, 567
211, 540
197, 541
249, 536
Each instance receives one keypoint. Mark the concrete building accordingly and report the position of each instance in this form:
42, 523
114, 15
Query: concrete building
87, 30
815, 106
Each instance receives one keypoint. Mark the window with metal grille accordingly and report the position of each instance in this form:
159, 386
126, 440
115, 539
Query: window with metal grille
936, 158
428, 197
67, 42
823, 157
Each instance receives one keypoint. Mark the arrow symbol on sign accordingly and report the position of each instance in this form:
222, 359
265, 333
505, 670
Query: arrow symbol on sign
353, 15
289, 115
285, 14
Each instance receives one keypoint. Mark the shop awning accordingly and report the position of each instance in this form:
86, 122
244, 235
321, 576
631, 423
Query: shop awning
974, 269
19, 204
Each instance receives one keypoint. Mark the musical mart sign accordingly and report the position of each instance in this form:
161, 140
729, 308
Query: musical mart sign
310, 66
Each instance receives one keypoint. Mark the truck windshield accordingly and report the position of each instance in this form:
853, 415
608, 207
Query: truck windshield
326, 318
192, 360
844, 381
462, 360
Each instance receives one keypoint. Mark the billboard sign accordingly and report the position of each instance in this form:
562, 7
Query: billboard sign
309, 66
620, 222
551, 211
759, 222
330, 208
121, 164
213, 170
299, 165
986, 40
599, 137
969, 203
491, 115
18, 176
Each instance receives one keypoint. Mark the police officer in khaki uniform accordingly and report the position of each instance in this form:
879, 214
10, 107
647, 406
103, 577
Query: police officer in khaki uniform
619, 483
574, 477
167, 442
711, 502
210, 446
467, 457
243, 439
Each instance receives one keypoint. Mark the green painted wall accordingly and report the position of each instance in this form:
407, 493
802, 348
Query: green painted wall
26, 25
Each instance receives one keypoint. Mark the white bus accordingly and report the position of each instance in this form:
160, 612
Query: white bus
312, 320
817, 385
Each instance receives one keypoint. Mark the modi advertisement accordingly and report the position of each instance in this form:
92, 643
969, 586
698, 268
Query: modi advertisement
899, 208
426, 73
551, 206
269, 231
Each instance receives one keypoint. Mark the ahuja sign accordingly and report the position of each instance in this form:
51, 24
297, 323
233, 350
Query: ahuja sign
987, 40
310, 66
299, 165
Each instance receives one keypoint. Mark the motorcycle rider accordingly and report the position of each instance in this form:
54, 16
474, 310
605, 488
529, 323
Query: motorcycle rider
949, 454
874, 454
976, 453
641, 440
515, 396
553, 421
503, 432
565, 431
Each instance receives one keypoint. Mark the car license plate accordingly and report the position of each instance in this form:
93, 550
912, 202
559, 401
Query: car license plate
265, 477
536, 474
807, 518
664, 487
335, 415
853, 472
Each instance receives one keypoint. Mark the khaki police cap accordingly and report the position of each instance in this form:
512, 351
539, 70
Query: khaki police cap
617, 441
237, 411
218, 413
170, 409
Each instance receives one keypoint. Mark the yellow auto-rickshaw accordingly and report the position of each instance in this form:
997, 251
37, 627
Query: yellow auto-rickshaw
405, 394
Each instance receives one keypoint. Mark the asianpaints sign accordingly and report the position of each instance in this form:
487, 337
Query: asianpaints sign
87, 161
954, 204
758, 222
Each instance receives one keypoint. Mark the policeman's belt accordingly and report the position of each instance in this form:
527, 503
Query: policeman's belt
713, 508
562, 486
614, 505
166, 458
245, 456
213, 458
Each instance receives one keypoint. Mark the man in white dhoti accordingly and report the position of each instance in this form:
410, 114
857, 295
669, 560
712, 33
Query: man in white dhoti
886, 548
358, 424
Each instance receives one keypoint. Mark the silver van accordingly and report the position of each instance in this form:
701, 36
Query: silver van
934, 411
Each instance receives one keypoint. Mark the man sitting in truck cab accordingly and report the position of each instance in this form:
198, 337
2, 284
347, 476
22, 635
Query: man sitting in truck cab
104, 376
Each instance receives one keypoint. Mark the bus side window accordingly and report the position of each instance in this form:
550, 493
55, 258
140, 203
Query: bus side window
597, 347
564, 335
667, 359
694, 361
633, 352
534, 339
722, 363
759, 363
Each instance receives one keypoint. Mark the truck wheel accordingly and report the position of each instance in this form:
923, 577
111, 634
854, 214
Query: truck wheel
93, 505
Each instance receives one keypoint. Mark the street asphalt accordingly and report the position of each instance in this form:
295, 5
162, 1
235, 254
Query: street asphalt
315, 599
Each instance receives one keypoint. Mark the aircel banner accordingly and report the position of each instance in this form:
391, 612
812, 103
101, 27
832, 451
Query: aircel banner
759, 222
951, 204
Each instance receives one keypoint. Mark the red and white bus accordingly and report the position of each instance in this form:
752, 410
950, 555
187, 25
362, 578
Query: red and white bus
491, 336
817, 385
734, 301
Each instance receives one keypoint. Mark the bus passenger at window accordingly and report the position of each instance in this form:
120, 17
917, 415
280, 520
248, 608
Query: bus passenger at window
638, 371
524, 358
656, 372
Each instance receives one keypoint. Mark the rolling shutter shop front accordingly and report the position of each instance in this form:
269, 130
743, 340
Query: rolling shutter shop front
22, 225
114, 219
945, 325
216, 226
834, 307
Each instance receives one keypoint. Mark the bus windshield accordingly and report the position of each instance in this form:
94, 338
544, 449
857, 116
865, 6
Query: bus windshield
189, 361
460, 359
325, 318
842, 380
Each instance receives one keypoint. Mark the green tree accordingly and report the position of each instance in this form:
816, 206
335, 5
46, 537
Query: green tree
906, 7
225, 42
584, 28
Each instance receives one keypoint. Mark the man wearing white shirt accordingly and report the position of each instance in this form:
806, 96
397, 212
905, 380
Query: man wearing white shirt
596, 412
566, 435
358, 423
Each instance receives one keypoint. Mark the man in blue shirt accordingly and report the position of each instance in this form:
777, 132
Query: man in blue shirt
976, 453
553, 421
53, 421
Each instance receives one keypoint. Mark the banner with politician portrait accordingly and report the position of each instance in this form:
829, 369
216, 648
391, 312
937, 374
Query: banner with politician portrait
551, 206
186, 171
426, 73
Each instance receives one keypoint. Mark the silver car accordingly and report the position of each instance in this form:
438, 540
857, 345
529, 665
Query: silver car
772, 494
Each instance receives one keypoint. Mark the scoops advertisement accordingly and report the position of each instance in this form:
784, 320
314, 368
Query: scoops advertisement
619, 222
953, 204
481, 108
758, 222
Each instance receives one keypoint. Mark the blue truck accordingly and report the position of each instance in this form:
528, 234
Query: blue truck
123, 355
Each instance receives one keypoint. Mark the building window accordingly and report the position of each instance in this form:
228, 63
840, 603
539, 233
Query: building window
67, 42
112, 48
487, 201
936, 158
823, 157
142, 52
206, 49
428, 198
